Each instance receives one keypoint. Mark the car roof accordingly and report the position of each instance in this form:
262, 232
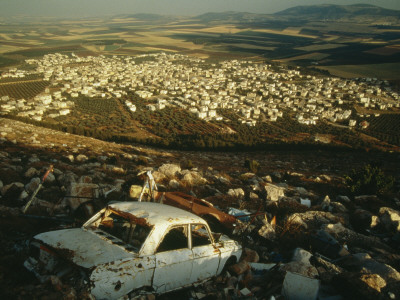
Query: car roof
156, 213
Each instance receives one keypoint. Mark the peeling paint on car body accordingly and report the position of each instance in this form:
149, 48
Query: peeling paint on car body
116, 267
199, 207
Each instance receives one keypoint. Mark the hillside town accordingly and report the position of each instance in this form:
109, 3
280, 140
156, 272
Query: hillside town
256, 92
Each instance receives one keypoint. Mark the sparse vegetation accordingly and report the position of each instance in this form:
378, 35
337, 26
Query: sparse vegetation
252, 165
369, 180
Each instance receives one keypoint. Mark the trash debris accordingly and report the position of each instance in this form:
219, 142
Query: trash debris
50, 169
305, 202
242, 215
299, 287
322, 242
280, 229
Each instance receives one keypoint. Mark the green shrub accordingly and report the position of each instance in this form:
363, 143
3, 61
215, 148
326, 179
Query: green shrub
369, 180
252, 165
188, 164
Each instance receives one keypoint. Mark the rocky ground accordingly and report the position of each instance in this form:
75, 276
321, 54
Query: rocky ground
337, 244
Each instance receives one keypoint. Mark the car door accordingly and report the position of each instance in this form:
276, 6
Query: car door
206, 257
174, 260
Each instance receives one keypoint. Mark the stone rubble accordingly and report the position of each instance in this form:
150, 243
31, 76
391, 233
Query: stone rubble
335, 244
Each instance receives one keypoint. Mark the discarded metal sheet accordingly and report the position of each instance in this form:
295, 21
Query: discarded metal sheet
199, 207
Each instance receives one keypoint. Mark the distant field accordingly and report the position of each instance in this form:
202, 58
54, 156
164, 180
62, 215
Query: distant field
347, 49
8, 48
388, 50
319, 47
386, 128
383, 71
315, 56
23, 90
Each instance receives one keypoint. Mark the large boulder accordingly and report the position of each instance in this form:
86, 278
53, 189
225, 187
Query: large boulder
367, 263
31, 172
356, 285
79, 193
362, 220
237, 193
67, 178
354, 239
81, 158
134, 191
314, 219
32, 185
390, 218
305, 269
193, 178
158, 176
170, 170
267, 231
174, 184
11, 193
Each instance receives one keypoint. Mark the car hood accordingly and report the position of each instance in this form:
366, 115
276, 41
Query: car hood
83, 247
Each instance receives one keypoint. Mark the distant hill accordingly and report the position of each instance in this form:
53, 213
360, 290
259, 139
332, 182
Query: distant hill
231, 17
356, 12
338, 12
143, 17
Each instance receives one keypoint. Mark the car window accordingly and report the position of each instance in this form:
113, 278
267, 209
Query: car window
122, 228
200, 235
176, 238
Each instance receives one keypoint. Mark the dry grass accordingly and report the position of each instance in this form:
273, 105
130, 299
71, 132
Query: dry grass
8, 48
155, 39
85, 30
388, 50
290, 32
249, 46
5, 36
311, 56
383, 71
220, 29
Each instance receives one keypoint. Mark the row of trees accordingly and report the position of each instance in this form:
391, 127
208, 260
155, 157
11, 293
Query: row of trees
108, 119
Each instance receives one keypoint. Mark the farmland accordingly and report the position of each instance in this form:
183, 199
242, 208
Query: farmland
23, 89
338, 47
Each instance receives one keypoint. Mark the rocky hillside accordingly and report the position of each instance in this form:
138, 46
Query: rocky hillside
344, 244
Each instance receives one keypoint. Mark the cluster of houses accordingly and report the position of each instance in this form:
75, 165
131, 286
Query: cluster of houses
255, 92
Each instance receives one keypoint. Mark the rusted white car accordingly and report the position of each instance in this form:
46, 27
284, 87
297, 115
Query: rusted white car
131, 246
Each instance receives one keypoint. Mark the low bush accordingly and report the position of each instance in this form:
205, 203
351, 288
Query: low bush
369, 180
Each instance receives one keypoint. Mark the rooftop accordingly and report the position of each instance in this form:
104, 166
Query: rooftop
156, 213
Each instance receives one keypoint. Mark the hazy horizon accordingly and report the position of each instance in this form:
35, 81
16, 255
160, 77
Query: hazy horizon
92, 8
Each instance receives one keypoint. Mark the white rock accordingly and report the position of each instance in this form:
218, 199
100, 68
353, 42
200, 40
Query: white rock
170, 170
237, 193
274, 192
81, 158
174, 184
301, 255
32, 185
390, 218
31, 172
326, 203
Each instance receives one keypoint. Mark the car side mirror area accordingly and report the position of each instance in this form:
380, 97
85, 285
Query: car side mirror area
217, 237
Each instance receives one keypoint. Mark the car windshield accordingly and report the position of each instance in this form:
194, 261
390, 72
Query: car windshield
118, 225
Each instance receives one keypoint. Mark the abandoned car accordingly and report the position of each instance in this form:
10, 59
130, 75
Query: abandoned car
130, 246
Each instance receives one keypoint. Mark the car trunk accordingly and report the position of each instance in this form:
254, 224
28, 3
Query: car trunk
84, 248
